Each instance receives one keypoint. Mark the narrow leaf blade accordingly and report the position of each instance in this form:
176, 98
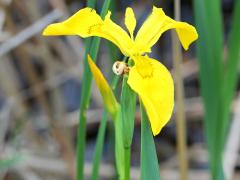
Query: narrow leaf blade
149, 161
128, 104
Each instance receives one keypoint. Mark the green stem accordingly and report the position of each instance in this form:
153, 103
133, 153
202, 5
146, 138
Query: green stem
128, 109
99, 146
101, 134
85, 97
92, 46
127, 160
119, 147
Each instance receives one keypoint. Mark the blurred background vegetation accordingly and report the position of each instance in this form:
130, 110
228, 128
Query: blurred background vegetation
41, 80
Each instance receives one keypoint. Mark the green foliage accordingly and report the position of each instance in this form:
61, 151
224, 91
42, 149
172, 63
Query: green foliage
217, 84
92, 46
99, 146
119, 147
100, 138
149, 160
128, 104
123, 121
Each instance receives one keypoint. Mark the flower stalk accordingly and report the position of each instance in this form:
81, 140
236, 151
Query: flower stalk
128, 104
101, 133
92, 46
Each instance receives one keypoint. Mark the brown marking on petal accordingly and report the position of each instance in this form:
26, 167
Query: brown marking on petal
144, 68
93, 27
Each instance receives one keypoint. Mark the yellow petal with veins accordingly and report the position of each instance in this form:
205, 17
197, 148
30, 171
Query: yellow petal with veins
156, 24
130, 21
80, 23
109, 99
86, 22
154, 84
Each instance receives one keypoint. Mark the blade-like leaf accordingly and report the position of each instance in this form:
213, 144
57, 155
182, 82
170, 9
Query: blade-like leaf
233, 59
128, 105
99, 146
217, 86
100, 138
101, 133
119, 147
149, 160
92, 46
114, 109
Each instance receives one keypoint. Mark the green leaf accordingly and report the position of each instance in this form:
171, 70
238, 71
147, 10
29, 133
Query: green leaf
99, 146
119, 147
128, 107
100, 136
114, 109
100, 139
217, 86
209, 52
128, 104
149, 161
92, 46
233, 59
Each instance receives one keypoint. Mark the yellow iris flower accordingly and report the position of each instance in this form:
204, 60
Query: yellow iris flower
148, 77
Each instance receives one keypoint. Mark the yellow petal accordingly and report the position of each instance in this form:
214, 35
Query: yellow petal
118, 35
130, 21
80, 23
154, 84
156, 24
86, 22
186, 33
104, 88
